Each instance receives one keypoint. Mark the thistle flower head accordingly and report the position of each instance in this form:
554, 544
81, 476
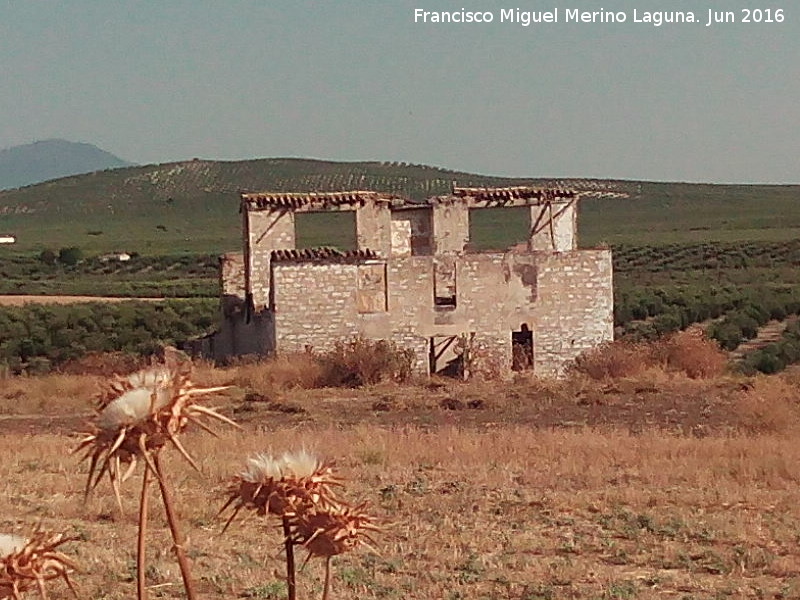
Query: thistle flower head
138, 414
333, 530
262, 467
304, 465
282, 486
27, 563
10, 543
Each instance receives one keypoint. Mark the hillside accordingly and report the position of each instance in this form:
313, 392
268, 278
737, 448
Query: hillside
192, 206
49, 159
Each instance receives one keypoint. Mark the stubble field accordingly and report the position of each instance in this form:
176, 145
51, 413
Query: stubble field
653, 486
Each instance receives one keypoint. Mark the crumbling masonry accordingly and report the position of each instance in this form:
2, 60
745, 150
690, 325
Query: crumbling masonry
414, 280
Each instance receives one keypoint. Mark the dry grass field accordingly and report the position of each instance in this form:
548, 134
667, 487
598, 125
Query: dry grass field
653, 485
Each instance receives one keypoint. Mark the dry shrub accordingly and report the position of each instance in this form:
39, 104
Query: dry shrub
360, 361
283, 372
351, 363
611, 360
692, 353
484, 365
689, 352
769, 405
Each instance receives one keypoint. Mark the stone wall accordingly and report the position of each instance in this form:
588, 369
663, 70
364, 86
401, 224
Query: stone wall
373, 227
575, 309
450, 226
565, 299
316, 304
231, 277
242, 334
410, 287
563, 236
231, 274
484, 302
264, 231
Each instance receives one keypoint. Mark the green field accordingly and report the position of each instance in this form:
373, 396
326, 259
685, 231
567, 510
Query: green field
171, 276
683, 253
192, 207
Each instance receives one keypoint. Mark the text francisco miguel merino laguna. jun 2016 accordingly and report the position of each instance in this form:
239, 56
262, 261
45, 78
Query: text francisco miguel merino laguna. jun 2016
654, 18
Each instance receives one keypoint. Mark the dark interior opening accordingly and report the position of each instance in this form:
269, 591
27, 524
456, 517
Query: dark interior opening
522, 349
446, 301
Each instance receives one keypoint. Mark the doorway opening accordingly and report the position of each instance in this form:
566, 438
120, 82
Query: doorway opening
522, 349
446, 356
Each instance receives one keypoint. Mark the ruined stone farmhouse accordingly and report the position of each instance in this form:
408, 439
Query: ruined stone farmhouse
414, 280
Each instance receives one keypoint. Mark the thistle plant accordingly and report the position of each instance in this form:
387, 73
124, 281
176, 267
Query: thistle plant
27, 563
327, 532
298, 488
137, 416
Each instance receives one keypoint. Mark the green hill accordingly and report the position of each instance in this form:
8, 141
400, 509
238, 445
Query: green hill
192, 206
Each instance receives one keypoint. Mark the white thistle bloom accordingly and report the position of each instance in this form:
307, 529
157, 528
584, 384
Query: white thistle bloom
300, 464
9, 544
262, 467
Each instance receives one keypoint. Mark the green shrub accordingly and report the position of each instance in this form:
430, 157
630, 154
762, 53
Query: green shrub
758, 313
70, 256
775, 357
765, 362
728, 334
48, 257
747, 324
778, 312
60, 333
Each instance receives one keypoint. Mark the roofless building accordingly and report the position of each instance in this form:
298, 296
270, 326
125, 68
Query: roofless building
413, 279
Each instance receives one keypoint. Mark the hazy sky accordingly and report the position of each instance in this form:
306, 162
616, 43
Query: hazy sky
156, 81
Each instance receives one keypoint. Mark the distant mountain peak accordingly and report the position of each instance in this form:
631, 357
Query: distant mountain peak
44, 160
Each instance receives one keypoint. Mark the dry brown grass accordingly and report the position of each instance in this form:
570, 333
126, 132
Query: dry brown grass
277, 374
769, 405
475, 504
352, 363
505, 513
360, 361
46, 394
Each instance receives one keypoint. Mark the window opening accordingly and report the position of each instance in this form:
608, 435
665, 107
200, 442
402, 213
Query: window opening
334, 229
444, 283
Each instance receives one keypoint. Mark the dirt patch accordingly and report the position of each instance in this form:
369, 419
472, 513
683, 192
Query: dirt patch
676, 405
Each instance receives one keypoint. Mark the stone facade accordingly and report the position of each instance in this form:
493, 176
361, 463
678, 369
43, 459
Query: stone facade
412, 280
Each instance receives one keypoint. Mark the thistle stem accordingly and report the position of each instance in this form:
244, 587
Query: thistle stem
180, 551
327, 586
291, 583
141, 591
